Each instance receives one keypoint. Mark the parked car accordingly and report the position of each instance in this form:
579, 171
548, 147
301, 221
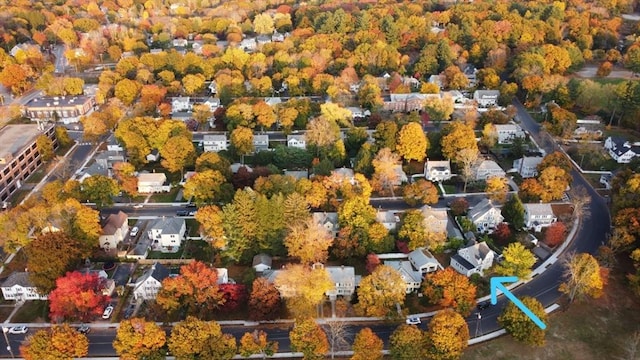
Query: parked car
193, 213
134, 231
182, 213
107, 312
413, 320
137, 206
129, 312
84, 329
18, 330
483, 305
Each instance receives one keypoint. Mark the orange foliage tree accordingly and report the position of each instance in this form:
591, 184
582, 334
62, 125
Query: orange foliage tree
77, 296
450, 289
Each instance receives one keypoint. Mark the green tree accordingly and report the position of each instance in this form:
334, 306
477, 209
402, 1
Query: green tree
194, 338
407, 342
517, 261
381, 291
385, 134
100, 190
57, 343
520, 326
309, 339
177, 153
139, 339
447, 337
513, 212
45, 147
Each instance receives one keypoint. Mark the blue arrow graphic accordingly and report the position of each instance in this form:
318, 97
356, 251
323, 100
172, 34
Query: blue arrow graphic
497, 284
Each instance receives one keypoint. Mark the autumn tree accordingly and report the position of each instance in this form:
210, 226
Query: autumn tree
242, 141
450, 289
195, 290
57, 343
210, 219
64, 140
264, 301
77, 296
45, 147
139, 339
50, 256
520, 326
555, 234
367, 346
530, 190
502, 234
385, 134
303, 288
100, 189
385, 165
308, 241
497, 188
459, 206
407, 342
256, 343
583, 277
420, 192
177, 153
412, 230
322, 133
209, 160
309, 339
127, 90
456, 137
466, 159
204, 187
263, 24
554, 182
194, 338
517, 261
412, 142
447, 337
381, 291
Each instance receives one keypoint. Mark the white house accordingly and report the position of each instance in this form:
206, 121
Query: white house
260, 142
344, 280
473, 259
18, 287
166, 234
435, 219
249, 44
437, 170
388, 219
297, 141
470, 73
214, 143
180, 104
527, 166
223, 275
213, 103
486, 169
273, 101
538, 215
621, 150
436, 79
147, 286
343, 174
113, 144
153, 156
508, 132
179, 42
422, 260
152, 183
411, 276
357, 112
485, 216
486, 98
114, 231
261, 262
329, 220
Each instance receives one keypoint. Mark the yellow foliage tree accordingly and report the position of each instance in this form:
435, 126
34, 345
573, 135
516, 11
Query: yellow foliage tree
447, 337
308, 241
381, 291
497, 188
412, 142
57, 343
137, 338
584, 277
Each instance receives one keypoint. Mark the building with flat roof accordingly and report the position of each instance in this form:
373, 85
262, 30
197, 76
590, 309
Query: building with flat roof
19, 156
65, 109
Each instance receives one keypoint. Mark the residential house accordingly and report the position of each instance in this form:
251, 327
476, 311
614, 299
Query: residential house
223, 275
114, 230
108, 286
235, 167
149, 284
389, 219
605, 179
297, 141
329, 220
486, 98
355, 87
182, 43
474, 259
411, 82
406, 102
214, 143
538, 215
470, 73
113, 144
152, 183
277, 37
485, 216
153, 156
261, 262
621, 150
180, 104
435, 219
437, 170
212, 102
527, 166
249, 44
263, 39
297, 174
436, 79
107, 159
167, 233
344, 280
422, 260
97, 168
260, 142
508, 132
18, 287
343, 174
486, 169
273, 101
357, 112
411, 276
213, 87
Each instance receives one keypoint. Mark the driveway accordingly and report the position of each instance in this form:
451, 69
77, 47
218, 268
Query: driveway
122, 274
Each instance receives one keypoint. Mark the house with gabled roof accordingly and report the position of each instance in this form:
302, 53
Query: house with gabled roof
261, 262
422, 260
538, 215
527, 166
260, 142
152, 183
343, 278
486, 98
474, 259
214, 143
18, 287
621, 150
149, 284
167, 233
180, 104
508, 132
114, 230
297, 141
328, 220
389, 219
437, 170
485, 216
435, 219
486, 169
411, 276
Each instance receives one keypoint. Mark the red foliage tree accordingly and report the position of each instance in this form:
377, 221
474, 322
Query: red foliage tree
555, 234
502, 233
372, 262
265, 301
234, 295
77, 297
459, 206
402, 247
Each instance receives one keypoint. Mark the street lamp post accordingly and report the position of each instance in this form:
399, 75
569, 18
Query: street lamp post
4, 332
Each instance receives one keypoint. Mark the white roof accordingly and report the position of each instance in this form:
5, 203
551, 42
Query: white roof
152, 177
538, 208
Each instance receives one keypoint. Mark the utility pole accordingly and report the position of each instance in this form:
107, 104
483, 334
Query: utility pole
479, 325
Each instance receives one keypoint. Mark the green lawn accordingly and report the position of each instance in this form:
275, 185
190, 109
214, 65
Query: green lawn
161, 255
37, 176
167, 197
32, 311
193, 226
18, 196
198, 250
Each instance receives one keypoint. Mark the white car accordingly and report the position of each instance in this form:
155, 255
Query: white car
134, 231
411, 320
137, 206
107, 312
18, 330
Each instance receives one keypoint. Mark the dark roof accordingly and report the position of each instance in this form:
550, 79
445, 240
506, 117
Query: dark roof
159, 272
18, 278
462, 261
